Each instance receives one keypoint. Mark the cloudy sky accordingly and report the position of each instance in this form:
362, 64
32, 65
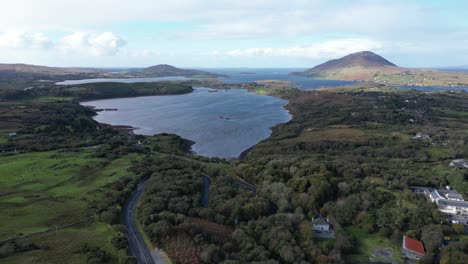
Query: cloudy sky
226, 33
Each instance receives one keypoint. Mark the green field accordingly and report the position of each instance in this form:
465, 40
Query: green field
64, 246
45, 190
368, 243
49, 189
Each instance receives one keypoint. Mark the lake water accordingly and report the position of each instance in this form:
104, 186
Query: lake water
252, 75
234, 76
223, 123
123, 80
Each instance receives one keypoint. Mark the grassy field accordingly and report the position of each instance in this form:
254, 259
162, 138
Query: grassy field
53, 99
47, 189
367, 244
64, 245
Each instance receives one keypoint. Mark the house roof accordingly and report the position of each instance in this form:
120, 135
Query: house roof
413, 245
435, 195
320, 221
460, 162
444, 202
454, 196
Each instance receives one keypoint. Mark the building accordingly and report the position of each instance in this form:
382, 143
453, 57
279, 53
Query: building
449, 201
435, 196
459, 163
420, 135
320, 224
458, 219
450, 194
13, 134
453, 207
412, 248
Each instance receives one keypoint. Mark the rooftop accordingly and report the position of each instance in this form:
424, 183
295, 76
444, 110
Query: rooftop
413, 245
463, 204
435, 195
320, 221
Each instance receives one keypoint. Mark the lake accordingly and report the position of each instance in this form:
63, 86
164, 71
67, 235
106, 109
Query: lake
123, 80
281, 74
222, 123
234, 76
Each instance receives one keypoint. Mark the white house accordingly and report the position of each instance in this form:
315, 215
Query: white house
420, 135
459, 163
453, 207
449, 201
435, 196
321, 224
450, 194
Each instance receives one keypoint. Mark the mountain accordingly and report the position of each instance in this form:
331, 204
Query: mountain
28, 68
369, 67
356, 67
25, 72
164, 70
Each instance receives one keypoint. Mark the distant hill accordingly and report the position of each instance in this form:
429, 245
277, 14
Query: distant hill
28, 68
356, 67
164, 70
369, 67
12, 73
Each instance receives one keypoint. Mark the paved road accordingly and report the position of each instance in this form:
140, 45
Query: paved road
136, 243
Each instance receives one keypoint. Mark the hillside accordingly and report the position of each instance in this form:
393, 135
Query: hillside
370, 67
364, 59
19, 73
164, 70
354, 67
13, 74
19, 67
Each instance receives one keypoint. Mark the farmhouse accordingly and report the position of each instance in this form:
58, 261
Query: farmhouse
321, 224
420, 135
459, 163
412, 248
449, 201
453, 207
450, 194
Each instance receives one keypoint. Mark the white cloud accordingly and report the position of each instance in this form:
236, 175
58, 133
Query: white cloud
23, 40
98, 44
226, 18
197, 27
102, 44
326, 49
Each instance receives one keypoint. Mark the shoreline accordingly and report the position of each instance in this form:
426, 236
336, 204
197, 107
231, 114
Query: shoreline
131, 129
286, 88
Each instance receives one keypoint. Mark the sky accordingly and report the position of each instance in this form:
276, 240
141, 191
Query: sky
226, 33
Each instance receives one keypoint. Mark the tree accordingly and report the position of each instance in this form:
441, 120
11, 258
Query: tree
432, 237
305, 232
458, 228
111, 216
287, 254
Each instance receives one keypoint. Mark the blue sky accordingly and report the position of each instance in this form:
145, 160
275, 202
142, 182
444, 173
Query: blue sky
254, 33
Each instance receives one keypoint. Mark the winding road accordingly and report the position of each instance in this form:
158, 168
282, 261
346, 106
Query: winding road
137, 245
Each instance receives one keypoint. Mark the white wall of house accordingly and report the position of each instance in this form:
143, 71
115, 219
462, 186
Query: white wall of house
321, 227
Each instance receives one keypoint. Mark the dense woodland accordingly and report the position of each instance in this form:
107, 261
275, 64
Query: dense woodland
94, 91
